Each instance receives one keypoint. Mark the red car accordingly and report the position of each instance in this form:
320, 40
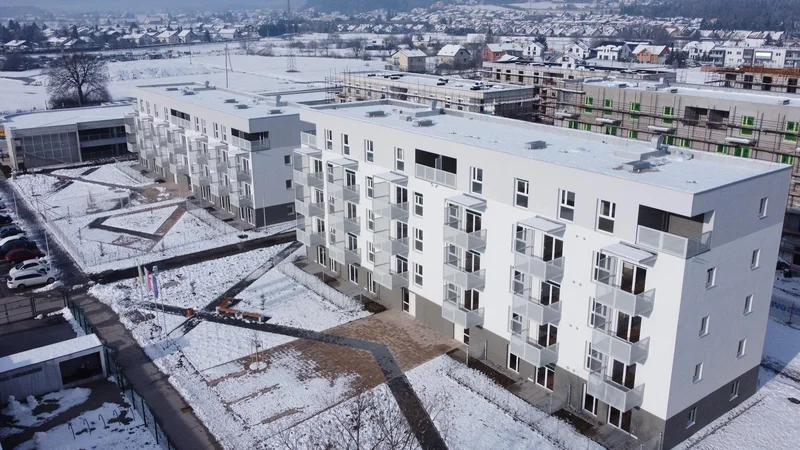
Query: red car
23, 254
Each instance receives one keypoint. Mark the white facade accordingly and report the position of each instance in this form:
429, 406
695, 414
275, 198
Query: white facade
579, 211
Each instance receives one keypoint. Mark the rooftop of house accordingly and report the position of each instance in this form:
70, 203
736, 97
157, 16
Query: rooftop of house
681, 169
68, 116
450, 50
247, 106
718, 93
411, 80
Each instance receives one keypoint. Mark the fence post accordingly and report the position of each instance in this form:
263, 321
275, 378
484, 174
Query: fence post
33, 306
144, 416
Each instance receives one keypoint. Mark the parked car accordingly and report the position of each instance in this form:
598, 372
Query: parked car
10, 231
17, 243
23, 254
12, 237
26, 278
29, 264
5, 220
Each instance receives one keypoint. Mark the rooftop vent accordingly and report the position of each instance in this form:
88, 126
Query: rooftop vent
535, 145
230, 100
423, 123
637, 166
172, 89
275, 111
240, 106
376, 113
188, 92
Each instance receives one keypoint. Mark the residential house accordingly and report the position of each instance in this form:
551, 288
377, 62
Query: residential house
651, 54
168, 37
409, 60
454, 55
228, 34
186, 36
16, 45
534, 50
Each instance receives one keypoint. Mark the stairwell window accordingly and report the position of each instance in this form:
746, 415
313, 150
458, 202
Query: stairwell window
748, 305
762, 207
704, 326
566, 210
522, 192
734, 390
369, 151
698, 373
754, 259
691, 417
711, 277
605, 216
748, 122
669, 114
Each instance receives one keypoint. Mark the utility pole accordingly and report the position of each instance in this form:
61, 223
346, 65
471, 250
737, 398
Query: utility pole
226, 66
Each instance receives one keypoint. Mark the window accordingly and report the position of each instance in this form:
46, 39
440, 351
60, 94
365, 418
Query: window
513, 362
762, 207
370, 252
476, 181
734, 390
418, 239
370, 220
607, 106
203, 122
418, 274
352, 273
566, 209
589, 402
684, 143
635, 108
345, 144
754, 259
405, 300
791, 129
370, 187
711, 275
748, 305
605, 216
224, 134
418, 204
698, 373
399, 161
466, 336
289, 210
328, 140
704, 326
288, 184
743, 152
594, 359
588, 102
633, 134
572, 125
669, 140
587, 127
287, 159
747, 125
369, 151
608, 129
721, 148
740, 349
669, 113
691, 417
787, 159
521, 197
216, 131
196, 123
372, 286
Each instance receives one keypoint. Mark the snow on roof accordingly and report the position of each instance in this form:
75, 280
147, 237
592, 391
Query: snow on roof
48, 352
652, 49
167, 33
581, 150
450, 50
456, 84
69, 116
185, 33
412, 53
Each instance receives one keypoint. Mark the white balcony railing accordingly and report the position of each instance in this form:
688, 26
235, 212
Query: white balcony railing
308, 179
529, 307
672, 244
531, 351
392, 211
457, 314
620, 300
456, 273
344, 193
387, 277
526, 262
308, 139
607, 391
623, 351
310, 238
345, 224
436, 176
454, 235
343, 255
252, 146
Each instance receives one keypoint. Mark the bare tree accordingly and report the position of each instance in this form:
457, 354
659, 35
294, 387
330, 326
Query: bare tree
313, 45
77, 79
357, 47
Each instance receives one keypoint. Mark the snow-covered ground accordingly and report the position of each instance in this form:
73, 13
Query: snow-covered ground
148, 221
77, 199
25, 414
107, 173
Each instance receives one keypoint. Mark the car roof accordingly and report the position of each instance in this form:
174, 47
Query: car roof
34, 260
27, 272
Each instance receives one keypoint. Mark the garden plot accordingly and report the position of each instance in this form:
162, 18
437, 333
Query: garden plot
148, 221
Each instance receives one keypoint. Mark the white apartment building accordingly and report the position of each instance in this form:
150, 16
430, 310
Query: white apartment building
231, 149
631, 278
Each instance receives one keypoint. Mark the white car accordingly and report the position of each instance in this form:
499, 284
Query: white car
11, 238
31, 277
35, 264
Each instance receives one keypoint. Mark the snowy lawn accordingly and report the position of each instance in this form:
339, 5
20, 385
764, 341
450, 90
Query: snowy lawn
105, 173
471, 411
148, 221
31, 412
77, 199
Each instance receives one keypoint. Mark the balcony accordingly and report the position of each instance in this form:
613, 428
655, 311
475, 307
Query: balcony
308, 138
620, 300
310, 209
343, 255
176, 148
383, 207
180, 122
436, 176
391, 245
252, 146
672, 244
623, 398
310, 238
453, 312
388, 278
308, 179
345, 224
456, 273
344, 193
454, 235
148, 153
526, 262
201, 179
132, 147
237, 172
529, 307
531, 351
245, 200
619, 349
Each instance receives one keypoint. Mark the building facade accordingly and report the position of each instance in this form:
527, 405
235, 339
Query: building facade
614, 274
227, 148
409, 60
66, 136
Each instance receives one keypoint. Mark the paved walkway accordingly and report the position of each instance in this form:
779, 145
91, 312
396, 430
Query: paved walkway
171, 412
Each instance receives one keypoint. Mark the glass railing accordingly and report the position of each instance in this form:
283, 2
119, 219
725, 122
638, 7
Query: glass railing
672, 244
436, 175
622, 300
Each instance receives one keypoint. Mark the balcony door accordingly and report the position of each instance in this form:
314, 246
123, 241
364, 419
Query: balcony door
352, 241
552, 248
622, 374
400, 265
549, 293
545, 377
619, 419
317, 166
472, 261
633, 278
548, 335
628, 328
350, 178
400, 230
472, 300
473, 222
401, 195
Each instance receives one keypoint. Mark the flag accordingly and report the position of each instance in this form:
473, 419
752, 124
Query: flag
155, 286
139, 271
149, 281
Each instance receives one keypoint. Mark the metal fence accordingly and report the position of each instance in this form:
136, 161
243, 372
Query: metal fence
28, 308
136, 401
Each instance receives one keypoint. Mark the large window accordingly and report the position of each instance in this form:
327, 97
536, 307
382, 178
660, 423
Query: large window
476, 181
566, 210
521, 194
605, 216
369, 151
400, 159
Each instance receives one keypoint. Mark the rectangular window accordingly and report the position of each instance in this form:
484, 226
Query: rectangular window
686, 143
372, 286
704, 326
748, 305
370, 252
635, 108
711, 276
522, 190
369, 151
633, 134
698, 373
216, 131
224, 134
588, 102
691, 417
476, 181
572, 124
605, 216
743, 152
203, 122
721, 148
345, 144
566, 208
587, 127
609, 130
466, 336
762, 207
328, 140
594, 359
608, 105
370, 220
418, 208
370, 187
400, 159
418, 274
791, 129
418, 239
589, 402
288, 184
741, 348
405, 300
754, 259
289, 210
734, 390
287, 159
787, 159
669, 113
669, 140
513, 362
352, 273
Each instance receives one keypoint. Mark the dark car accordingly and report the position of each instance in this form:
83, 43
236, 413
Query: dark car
10, 231
5, 220
16, 243
23, 254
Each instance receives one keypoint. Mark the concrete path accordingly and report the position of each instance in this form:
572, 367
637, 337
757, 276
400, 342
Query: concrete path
171, 412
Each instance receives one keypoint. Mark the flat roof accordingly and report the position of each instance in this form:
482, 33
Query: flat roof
583, 150
738, 95
459, 84
219, 99
69, 116
48, 352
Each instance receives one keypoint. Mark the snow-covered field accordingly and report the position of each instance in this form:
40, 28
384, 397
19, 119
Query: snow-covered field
77, 199
148, 221
106, 173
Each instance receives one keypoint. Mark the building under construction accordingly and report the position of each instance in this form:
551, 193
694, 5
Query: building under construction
499, 99
753, 78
